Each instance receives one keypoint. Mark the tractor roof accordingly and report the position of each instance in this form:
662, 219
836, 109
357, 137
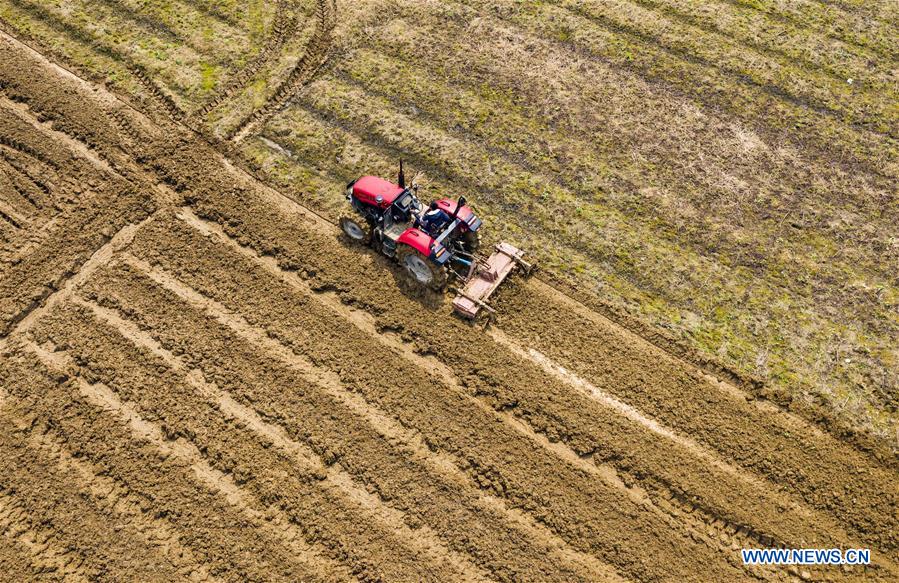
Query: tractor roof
369, 188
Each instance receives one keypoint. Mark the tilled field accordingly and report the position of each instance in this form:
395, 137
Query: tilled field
201, 381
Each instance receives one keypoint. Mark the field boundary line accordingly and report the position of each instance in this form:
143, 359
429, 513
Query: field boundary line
271, 519
423, 539
383, 423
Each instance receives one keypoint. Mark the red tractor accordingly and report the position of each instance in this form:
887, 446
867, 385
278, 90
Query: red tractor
432, 243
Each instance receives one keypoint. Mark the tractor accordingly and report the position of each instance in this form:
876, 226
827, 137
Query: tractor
433, 243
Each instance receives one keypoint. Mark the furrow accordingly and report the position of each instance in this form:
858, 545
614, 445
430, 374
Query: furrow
422, 540
370, 550
739, 394
363, 323
278, 525
794, 455
46, 128
386, 426
15, 195
624, 409
113, 498
46, 555
697, 526
491, 466
98, 519
236, 546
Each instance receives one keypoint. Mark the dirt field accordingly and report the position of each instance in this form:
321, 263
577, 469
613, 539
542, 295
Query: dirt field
201, 381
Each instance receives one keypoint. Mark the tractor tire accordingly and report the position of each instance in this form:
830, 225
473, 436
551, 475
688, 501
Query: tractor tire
471, 240
422, 271
356, 227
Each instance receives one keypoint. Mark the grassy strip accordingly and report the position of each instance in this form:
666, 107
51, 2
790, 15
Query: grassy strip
707, 85
861, 31
772, 37
776, 76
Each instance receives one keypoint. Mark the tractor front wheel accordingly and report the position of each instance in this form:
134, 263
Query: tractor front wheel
356, 227
422, 270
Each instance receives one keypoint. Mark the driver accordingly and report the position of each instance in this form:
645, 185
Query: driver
435, 219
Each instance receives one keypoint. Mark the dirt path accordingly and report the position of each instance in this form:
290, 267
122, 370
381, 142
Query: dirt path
198, 359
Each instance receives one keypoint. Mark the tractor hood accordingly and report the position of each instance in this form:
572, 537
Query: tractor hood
368, 188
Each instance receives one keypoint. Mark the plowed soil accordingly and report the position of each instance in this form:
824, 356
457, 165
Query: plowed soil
202, 381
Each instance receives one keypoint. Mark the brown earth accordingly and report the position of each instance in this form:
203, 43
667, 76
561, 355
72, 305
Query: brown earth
200, 380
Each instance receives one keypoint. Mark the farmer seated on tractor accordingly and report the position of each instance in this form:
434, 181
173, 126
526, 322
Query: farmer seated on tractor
435, 220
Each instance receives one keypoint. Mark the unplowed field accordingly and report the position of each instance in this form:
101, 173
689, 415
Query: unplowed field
201, 381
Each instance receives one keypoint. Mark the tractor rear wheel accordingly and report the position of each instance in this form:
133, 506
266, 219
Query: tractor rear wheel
356, 227
421, 270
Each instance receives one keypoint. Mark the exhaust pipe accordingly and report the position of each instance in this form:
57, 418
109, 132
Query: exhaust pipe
459, 205
402, 178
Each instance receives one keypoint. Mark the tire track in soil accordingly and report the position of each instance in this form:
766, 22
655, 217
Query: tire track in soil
422, 540
674, 506
284, 27
313, 59
35, 194
390, 429
273, 520
519, 432
15, 194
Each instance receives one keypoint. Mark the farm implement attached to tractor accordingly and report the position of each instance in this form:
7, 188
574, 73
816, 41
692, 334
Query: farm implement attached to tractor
435, 244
